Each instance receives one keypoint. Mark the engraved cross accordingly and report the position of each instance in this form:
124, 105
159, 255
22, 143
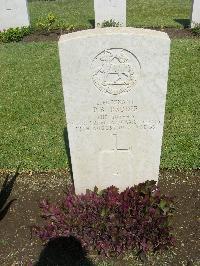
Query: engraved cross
119, 148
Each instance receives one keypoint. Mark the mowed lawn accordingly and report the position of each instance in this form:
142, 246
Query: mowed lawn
32, 110
147, 13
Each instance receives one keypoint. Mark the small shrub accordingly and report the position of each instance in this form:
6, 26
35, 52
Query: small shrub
110, 23
111, 222
46, 23
14, 34
196, 30
50, 22
61, 25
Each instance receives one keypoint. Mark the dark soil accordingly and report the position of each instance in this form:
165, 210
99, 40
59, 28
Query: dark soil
18, 247
41, 36
178, 33
44, 36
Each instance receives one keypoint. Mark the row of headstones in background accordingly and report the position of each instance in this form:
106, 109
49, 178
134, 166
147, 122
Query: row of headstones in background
195, 18
115, 10
115, 84
13, 14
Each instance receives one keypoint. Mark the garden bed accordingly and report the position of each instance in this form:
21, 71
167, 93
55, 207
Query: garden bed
19, 247
42, 36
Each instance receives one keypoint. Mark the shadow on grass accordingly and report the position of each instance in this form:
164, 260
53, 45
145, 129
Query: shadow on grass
67, 149
184, 22
5, 193
63, 251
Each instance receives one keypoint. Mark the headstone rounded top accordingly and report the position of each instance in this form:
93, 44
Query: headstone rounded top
113, 31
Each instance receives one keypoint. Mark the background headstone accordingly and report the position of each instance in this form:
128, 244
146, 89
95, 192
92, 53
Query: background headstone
195, 18
13, 14
115, 84
106, 10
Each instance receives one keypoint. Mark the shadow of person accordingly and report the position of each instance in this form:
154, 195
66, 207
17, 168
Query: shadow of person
184, 22
63, 251
5, 193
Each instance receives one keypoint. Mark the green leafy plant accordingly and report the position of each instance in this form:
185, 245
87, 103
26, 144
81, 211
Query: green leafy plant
51, 22
196, 29
46, 23
110, 222
110, 23
14, 34
62, 25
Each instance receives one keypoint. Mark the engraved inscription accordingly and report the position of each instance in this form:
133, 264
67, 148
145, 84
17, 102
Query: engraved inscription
115, 114
115, 71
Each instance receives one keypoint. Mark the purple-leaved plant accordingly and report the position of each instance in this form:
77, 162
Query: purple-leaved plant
110, 222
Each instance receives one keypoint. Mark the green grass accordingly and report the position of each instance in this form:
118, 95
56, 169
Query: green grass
158, 13
32, 109
75, 12
181, 148
147, 13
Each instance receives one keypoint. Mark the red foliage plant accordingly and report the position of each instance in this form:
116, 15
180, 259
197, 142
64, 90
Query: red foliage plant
111, 222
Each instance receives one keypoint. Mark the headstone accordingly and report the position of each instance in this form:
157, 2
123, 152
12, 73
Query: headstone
13, 14
107, 10
195, 18
114, 84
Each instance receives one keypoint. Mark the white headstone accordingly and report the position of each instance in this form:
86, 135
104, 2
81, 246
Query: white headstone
13, 14
115, 84
195, 18
106, 10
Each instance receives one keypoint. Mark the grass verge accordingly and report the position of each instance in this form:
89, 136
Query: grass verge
181, 146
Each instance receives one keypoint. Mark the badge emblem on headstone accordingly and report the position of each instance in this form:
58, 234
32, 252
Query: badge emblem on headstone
115, 71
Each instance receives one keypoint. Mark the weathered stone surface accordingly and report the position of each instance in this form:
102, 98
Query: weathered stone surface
115, 84
106, 10
13, 14
195, 18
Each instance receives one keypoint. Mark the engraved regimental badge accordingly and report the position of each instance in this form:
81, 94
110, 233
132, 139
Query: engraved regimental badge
115, 71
